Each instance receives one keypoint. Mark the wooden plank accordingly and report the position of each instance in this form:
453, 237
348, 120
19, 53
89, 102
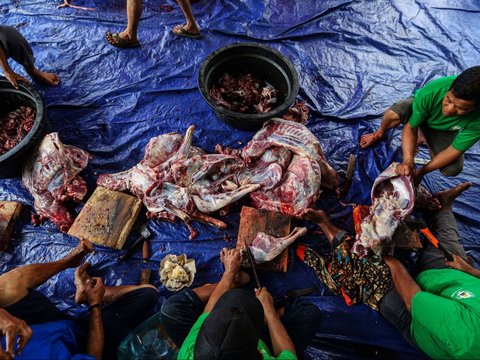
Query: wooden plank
253, 221
9, 212
107, 218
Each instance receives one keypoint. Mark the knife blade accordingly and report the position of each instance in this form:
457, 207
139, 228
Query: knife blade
254, 270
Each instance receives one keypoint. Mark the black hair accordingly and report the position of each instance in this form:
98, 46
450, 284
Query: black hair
467, 85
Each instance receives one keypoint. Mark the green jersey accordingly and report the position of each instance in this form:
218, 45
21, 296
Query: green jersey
187, 350
427, 111
446, 314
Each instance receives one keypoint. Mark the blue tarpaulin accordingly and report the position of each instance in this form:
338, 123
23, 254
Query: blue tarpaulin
354, 59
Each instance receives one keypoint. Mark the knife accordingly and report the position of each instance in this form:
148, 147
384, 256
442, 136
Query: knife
144, 234
252, 264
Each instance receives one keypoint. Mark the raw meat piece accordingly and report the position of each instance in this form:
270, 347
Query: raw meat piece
51, 176
392, 199
244, 93
298, 113
14, 127
212, 202
266, 247
295, 137
298, 189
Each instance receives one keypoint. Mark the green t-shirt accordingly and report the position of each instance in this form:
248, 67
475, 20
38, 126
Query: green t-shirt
446, 314
427, 110
188, 346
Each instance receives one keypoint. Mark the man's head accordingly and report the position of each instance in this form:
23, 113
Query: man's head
464, 95
232, 329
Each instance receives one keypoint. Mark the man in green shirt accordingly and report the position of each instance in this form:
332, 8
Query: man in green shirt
222, 321
439, 310
447, 110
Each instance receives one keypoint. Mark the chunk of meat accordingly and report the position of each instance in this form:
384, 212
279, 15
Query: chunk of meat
266, 247
297, 191
393, 198
51, 176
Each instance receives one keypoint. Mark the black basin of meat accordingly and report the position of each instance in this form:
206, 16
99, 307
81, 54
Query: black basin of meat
263, 62
11, 99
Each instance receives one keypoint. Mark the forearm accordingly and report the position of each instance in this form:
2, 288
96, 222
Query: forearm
403, 282
95, 334
223, 286
280, 339
442, 159
4, 62
409, 142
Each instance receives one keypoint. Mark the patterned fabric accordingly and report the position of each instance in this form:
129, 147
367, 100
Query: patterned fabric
357, 279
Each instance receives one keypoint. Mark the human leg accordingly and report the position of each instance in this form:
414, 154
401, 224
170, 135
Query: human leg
397, 114
128, 37
191, 27
180, 311
392, 308
443, 225
301, 320
35, 308
437, 141
321, 219
125, 314
14, 285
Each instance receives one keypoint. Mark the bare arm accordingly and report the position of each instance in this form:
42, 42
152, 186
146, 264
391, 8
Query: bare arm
280, 339
403, 282
232, 261
9, 73
95, 290
409, 142
442, 159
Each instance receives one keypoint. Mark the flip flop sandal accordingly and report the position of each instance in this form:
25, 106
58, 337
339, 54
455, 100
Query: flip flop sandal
119, 42
185, 33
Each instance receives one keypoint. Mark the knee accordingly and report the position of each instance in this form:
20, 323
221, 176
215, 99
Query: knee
147, 298
453, 169
392, 118
307, 312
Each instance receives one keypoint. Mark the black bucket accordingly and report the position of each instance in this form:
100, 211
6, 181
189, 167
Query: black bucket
259, 60
11, 99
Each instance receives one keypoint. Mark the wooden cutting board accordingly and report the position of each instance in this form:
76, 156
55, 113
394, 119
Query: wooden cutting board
272, 223
9, 212
107, 218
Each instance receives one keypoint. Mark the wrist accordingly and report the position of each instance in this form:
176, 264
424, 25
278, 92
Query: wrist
95, 305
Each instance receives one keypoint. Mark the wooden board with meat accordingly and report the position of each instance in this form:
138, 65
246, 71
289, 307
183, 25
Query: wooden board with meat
253, 221
9, 212
107, 218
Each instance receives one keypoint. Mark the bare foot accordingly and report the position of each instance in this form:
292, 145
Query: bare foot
50, 79
81, 277
127, 37
371, 139
446, 197
316, 215
75, 257
187, 30
231, 260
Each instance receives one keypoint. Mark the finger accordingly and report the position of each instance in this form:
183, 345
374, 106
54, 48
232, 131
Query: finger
24, 337
21, 78
14, 83
99, 282
10, 334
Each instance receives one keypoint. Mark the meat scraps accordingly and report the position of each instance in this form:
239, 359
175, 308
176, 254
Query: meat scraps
266, 247
14, 127
51, 176
281, 169
392, 199
244, 93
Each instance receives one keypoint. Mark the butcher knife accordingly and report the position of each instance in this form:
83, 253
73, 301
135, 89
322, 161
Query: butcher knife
348, 176
252, 264
144, 234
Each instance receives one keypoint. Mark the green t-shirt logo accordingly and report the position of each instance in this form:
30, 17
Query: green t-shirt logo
463, 294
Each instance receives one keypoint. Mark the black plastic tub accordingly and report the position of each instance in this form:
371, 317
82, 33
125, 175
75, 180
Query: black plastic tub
11, 99
260, 60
